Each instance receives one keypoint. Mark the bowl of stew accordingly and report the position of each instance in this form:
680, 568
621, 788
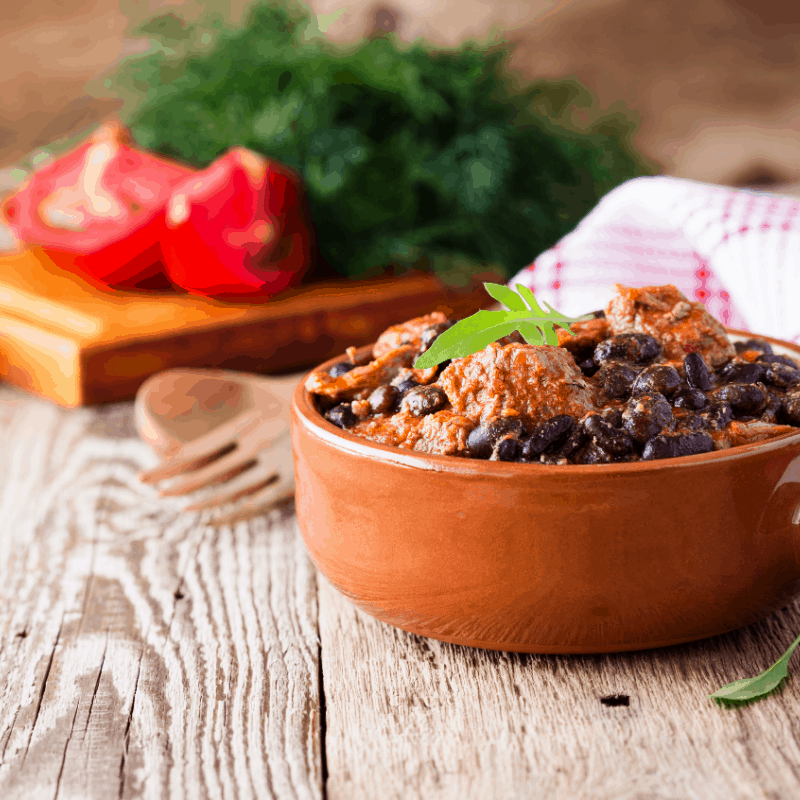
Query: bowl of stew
667, 510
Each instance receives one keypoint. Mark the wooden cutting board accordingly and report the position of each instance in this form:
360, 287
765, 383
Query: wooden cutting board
62, 338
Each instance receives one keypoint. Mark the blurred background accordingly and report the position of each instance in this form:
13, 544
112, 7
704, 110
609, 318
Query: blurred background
713, 85
442, 142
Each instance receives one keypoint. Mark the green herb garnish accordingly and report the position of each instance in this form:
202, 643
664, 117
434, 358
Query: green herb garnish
411, 157
472, 334
749, 689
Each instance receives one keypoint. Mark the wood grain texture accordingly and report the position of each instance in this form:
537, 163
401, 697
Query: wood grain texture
142, 653
424, 719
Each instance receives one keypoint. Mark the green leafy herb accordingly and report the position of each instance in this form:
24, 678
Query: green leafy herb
411, 157
472, 334
749, 689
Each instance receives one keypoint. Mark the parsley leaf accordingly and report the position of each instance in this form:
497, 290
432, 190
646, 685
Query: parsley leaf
484, 327
750, 689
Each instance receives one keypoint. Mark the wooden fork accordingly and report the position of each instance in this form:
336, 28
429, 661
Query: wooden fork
224, 434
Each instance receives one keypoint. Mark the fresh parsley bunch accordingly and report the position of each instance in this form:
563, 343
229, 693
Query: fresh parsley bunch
409, 156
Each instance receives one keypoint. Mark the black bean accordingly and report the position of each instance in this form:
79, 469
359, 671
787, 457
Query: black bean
550, 432
342, 416
615, 380
791, 408
697, 374
677, 444
507, 449
753, 344
588, 367
423, 400
612, 415
481, 440
599, 314
432, 333
690, 444
636, 348
479, 445
646, 415
746, 399
576, 439
340, 369
659, 447
406, 385
717, 415
742, 372
777, 359
658, 378
591, 453
774, 410
691, 422
323, 404
781, 376
580, 348
692, 399
384, 399
606, 437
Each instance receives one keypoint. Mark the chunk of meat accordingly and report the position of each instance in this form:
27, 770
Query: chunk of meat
594, 330
407, 333
739, 432
360, 380
587, 336
535, 382
399, 430
422, 376
443, 432
360, 409
664, 312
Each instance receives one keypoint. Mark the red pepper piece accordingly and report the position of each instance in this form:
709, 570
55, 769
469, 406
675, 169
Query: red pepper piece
99, 210
238, 229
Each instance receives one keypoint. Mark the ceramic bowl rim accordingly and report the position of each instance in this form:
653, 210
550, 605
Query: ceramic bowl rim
359, 446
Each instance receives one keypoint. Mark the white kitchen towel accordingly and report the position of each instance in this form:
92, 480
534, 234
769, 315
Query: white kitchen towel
735, 251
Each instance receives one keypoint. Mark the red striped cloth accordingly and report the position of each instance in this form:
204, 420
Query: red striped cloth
737, 252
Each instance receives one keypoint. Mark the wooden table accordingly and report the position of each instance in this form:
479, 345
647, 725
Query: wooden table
144, 654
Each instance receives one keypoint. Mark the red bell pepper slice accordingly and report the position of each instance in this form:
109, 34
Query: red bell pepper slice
99, 210
238, 230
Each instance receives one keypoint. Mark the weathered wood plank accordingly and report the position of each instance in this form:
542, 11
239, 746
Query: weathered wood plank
142, 653
423, 719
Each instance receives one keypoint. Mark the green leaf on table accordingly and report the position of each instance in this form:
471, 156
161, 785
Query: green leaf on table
748, 689
472, 334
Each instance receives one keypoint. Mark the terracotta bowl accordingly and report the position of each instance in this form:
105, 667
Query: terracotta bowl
551, 559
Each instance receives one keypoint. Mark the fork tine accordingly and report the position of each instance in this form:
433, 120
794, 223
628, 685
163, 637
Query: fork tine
258, 504
272, 478
232, 497
198, 457
176, 466
200, 449
219, 471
